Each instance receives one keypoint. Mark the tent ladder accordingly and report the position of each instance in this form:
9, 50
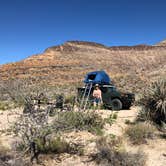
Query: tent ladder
85, 97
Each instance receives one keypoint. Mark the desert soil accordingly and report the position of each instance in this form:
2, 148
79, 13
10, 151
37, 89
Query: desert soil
154, 149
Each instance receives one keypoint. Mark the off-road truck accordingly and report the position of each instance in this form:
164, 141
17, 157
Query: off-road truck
112, 98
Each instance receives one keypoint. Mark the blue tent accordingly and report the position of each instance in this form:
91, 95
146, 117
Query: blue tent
97, 77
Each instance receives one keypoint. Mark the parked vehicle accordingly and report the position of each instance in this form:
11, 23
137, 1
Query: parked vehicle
112, 98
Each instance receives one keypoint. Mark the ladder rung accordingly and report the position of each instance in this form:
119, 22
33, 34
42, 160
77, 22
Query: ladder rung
83, 97
86, 100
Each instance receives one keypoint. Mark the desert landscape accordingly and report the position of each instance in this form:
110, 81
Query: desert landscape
34, 132
68, 63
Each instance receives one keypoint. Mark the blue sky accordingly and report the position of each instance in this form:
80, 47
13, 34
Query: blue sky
29, 26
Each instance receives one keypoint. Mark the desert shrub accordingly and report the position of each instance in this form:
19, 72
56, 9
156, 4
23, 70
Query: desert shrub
3, 151
34, 129
139, 133
111, 119
4, 156
153, 102
4, 105
111, 152
69, 99
58, 145
115, 116
32, 125
11, 159
16, 90
162, 128
129, 122
79, 121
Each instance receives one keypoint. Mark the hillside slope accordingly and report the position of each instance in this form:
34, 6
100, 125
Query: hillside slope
130, 67
162, 43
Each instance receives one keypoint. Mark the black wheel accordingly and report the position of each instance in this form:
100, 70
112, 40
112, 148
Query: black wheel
116, 104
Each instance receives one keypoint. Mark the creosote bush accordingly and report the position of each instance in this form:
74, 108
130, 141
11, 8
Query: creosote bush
153, 102
112, 152
73, 120
139, 133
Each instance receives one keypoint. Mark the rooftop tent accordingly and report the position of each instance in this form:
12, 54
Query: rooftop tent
97, 77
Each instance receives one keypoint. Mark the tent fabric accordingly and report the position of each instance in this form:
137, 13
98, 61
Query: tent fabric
97, 77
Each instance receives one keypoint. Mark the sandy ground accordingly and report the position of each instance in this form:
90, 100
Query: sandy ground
155, 149
7, 118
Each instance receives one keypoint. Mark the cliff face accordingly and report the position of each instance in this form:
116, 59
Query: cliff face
68, 63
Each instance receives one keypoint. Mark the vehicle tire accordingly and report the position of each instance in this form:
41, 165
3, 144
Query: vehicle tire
116, 104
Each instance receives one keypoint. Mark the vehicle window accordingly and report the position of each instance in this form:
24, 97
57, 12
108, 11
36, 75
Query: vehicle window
107, 89
92, 77
110, 89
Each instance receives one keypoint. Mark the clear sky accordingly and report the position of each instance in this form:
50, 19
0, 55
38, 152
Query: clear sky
29, 26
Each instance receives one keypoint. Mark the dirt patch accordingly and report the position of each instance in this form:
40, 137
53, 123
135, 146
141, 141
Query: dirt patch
7, 118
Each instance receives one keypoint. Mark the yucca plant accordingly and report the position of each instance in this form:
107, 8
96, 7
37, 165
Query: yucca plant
153, 102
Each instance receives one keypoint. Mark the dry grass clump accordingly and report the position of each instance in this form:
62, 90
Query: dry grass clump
4, 105
111, 119
153, 102
73, 120
4, 156
58, 145
139, 133
11, 158
53, 145
111, 152
14, 92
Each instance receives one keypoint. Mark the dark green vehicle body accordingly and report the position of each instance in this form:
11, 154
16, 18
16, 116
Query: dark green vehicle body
112, 98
